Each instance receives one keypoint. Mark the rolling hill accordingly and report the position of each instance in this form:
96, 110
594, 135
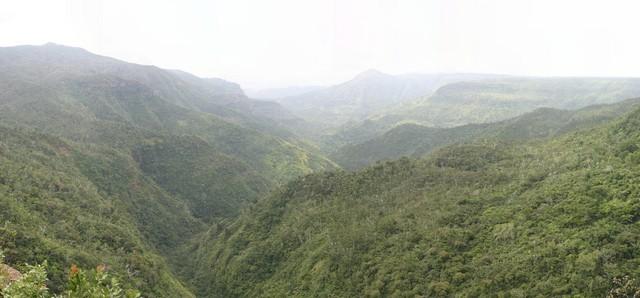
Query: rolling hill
490, 100
414, 140
365, 95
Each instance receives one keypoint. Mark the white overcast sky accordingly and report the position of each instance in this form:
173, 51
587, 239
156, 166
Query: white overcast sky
273, 43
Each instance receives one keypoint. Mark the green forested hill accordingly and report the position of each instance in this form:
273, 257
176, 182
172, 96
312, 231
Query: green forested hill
69, 204
71, 93
417, 140
184, 187
76, 85
490, 100
110, 162
551, 218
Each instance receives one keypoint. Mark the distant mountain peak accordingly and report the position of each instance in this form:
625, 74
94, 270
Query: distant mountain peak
53, 45
370, 73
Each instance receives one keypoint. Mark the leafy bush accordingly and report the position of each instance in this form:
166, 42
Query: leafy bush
93, 284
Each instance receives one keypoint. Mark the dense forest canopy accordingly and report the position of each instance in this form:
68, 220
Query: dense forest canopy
107, 162
552, 217
125, 180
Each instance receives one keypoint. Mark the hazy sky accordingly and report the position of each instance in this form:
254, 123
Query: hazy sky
263, 43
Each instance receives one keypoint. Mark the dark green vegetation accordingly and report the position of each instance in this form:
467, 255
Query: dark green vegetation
556, 217
32, 284
416, 140
106, 162
71, 205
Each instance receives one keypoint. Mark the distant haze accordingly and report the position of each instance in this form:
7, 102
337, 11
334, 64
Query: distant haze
268, 44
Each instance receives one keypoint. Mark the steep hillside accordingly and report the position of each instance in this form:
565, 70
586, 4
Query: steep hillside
213, 184
72, 93
549, 218
58, 70
227, 100
110, 162
484, 101
71, 204
416, 140
365, 95
53, 63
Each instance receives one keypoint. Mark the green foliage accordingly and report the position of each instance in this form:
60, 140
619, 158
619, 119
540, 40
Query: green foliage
215, 185
94, 284
31, 285
556, 217
60, 209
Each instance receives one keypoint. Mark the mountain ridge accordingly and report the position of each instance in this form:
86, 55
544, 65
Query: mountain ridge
413, 140
364, 95
489, 100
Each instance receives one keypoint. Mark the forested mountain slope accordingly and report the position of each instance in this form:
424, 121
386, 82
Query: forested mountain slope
72, 93
416, 140
110, 162
229, 101
491, 100
71, 204
551, 218
51, 66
